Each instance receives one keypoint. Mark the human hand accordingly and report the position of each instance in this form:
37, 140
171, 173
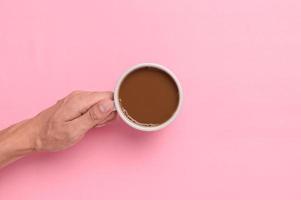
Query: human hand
66, 122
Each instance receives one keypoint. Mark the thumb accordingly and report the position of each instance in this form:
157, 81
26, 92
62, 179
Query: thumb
95, 115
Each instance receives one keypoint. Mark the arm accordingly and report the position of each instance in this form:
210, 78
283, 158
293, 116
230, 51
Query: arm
57, 127
16, 142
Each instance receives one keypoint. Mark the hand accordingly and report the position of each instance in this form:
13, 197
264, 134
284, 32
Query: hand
66, 122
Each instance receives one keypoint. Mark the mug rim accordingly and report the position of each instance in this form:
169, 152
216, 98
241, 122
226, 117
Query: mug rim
122, 114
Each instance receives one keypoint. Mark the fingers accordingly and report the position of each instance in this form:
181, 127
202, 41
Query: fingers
110, 118
78, 102
99, 113
86, 101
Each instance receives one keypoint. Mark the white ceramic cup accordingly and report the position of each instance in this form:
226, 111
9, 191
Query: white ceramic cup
122, 114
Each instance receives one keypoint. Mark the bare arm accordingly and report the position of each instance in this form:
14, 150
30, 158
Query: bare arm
57, 127
16, 142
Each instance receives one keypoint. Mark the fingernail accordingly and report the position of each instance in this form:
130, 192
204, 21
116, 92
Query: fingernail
106, 105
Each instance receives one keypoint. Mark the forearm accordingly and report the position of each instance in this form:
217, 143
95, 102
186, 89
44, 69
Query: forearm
17, 141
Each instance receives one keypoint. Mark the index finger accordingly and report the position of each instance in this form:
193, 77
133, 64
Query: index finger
79, 102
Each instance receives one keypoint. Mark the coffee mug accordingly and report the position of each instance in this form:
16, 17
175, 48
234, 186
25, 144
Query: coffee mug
120, 110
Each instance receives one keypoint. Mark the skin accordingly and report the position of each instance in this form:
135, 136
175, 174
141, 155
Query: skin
58, 127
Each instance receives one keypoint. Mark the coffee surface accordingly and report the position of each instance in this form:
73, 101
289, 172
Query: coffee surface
148, 96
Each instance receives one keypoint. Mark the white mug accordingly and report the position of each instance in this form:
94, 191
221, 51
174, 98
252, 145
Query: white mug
123, 115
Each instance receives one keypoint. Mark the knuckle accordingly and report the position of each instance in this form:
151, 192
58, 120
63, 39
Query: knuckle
74, 96
93, 115
94, 93
60, 101
74, 93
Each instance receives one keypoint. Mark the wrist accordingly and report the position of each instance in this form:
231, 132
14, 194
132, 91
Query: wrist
34, 128
24, 137
17, 141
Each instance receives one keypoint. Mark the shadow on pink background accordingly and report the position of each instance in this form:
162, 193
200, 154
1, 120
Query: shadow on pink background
238, 135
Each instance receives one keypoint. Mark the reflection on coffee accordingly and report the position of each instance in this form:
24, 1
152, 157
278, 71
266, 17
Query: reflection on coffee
148, 96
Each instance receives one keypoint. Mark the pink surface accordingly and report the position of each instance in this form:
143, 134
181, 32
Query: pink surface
238, 135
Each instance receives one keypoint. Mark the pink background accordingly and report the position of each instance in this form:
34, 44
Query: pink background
238, 135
